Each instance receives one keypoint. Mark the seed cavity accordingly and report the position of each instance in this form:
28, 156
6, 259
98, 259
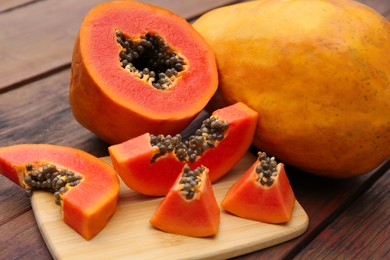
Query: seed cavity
57, 180
211, 132
151, 59
266, 169
190, 181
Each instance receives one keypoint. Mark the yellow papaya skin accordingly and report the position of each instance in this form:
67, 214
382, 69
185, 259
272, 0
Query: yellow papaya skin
318, 74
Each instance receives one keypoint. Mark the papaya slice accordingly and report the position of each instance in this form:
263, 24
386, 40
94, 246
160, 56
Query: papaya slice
86, 187
190, 207
262, 194
150, 164
139, 68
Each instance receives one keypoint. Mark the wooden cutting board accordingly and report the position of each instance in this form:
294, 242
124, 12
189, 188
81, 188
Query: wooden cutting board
129, 234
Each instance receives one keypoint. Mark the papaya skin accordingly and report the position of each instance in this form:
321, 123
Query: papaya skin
116, 106
318, 74
98, 189
247, 198
198, 217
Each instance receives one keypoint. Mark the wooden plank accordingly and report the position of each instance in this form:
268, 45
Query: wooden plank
380, 6
49, 118
190, 9
21, 239
371, 211
8, 5
13, 201
33, 47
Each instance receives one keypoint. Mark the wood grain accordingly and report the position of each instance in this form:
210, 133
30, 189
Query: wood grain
129, 233
9, 5
12, 198
369, 211
21, 237
42, 110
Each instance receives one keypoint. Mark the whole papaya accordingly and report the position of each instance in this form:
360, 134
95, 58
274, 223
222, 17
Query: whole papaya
318, 74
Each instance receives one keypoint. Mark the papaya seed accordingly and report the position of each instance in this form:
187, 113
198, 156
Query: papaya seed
210, 132
29, 167
190, 181
49, 177
187, 186
150, 58
28, 180
28, 193
266, 169
190, 195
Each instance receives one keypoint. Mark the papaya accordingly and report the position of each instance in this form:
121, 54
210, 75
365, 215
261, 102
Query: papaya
138, 68
150, 164
318, 74
263, 193
84, 186
190, 207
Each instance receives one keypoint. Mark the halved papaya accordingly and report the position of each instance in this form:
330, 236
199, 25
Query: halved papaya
138, 68
263, 193
86, 187
150, 164
190, 207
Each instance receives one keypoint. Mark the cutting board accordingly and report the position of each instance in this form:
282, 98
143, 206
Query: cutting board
129, 234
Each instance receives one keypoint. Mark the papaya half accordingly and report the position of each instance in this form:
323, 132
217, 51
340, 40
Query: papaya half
318, 74
86, 187
190, 207
138, 68
263, 193
150, 164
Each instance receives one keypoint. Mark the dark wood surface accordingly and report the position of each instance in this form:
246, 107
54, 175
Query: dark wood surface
348, 218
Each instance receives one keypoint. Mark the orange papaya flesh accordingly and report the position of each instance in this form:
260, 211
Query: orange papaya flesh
132, 161
86, 206
266, 198
144, 168
118, 103
195, 215
242, 122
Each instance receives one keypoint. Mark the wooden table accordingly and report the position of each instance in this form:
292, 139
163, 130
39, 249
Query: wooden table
348, 218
